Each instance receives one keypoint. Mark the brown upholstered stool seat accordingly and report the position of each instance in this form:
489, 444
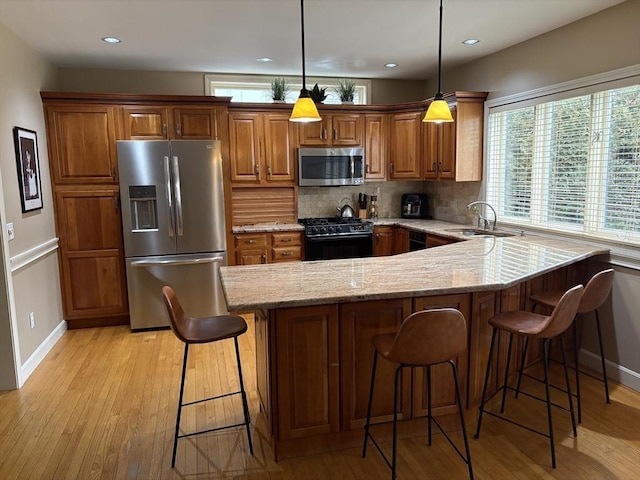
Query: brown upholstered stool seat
532, 325
595, 294
425, 339
199, 330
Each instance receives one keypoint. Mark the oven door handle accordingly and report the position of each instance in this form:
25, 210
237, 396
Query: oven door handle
363, 236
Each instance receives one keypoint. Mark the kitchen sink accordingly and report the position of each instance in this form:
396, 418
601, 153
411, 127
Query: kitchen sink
475, 232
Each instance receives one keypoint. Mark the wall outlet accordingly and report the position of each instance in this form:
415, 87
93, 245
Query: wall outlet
11, 233
32, 320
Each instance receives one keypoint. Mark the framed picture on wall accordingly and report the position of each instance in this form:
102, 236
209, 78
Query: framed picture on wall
26, 143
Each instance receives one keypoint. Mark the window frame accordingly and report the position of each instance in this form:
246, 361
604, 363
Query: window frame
624, 252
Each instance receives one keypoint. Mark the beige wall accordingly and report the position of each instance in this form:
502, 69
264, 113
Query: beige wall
602, 42
35, 287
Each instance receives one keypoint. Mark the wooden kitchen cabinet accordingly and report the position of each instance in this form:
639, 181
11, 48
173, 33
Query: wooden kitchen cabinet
309, 370
275, 247
82, 144
400, 240
383, 237
340, 130
442, 385
453, 151
375, 146
91, 253
359, 323
149, 122
405, 159
437, 240
262, 148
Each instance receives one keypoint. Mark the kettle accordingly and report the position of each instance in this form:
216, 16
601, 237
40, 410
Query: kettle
346, 211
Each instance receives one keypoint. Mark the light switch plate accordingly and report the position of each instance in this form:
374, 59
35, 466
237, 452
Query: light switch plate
11, 233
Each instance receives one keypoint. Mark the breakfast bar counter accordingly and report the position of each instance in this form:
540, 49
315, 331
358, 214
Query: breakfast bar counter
314, 322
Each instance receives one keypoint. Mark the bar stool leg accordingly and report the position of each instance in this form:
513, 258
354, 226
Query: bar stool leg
604, 368
245, 404
566, 379
429, 405
462, 423
370, 404
175, 436
525, 346
486, 382
545, 356
395, 422
506, 374
575, 360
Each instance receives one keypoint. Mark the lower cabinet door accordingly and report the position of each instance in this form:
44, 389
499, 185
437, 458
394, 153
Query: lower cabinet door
308, 371
359, 323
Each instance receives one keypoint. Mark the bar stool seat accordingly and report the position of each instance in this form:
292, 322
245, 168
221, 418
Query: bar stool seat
533, 325
199, 330
425, 338
596, 293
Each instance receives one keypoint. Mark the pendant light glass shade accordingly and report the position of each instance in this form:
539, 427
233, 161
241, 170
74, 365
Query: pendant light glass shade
305, 109
438, 110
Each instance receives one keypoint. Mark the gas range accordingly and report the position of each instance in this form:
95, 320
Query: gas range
330, 227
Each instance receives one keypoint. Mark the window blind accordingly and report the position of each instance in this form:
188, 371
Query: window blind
569, 165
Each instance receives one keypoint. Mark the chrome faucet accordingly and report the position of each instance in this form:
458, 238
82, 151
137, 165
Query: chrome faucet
483, 223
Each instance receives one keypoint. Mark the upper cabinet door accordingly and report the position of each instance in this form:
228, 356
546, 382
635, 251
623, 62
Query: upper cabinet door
279, 148
244, 144
405, 159
145, 123
82, 144
315, 134
375, 153
346, 130
195, 123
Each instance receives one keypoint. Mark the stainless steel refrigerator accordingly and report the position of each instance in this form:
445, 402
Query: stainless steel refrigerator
174, 227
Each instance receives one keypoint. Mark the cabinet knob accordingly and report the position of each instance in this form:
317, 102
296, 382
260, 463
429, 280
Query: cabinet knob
264, 258
287, 254
256, 170
250, 241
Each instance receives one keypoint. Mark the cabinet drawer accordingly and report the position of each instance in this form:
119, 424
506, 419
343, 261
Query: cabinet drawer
286, 254
286, 239
243, 241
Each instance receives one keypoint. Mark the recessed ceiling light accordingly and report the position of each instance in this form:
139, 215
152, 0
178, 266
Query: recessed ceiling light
110, 40
391, 65
265, 59
471, 41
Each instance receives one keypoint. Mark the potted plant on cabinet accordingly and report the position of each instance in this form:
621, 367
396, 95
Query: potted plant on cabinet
318, 94
346, 90
279, 88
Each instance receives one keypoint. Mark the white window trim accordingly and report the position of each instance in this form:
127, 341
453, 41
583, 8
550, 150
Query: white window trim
622, 253
262, 79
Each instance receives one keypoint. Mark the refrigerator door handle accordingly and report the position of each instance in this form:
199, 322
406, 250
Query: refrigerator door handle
177, 195
160, 263
167, 180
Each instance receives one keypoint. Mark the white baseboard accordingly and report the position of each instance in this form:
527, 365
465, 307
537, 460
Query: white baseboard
616, 372
36, 357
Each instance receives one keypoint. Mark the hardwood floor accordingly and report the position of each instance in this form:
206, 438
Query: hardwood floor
103, 405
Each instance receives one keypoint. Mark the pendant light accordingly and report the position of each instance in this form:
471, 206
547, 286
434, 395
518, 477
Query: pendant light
438, 110
304, 109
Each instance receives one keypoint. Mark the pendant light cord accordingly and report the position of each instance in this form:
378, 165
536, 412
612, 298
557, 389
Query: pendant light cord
304, 83
439, 52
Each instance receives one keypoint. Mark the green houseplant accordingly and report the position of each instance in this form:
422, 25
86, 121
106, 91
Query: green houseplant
279, 88
318, 94
346, 90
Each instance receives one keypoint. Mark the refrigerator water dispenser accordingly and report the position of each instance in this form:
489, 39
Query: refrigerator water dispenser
144, 208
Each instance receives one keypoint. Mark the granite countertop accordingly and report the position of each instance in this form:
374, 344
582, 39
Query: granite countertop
486, 263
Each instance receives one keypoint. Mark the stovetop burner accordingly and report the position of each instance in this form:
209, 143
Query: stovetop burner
335, 226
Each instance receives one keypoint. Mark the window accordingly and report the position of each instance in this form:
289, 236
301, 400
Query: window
568, 165
257, 89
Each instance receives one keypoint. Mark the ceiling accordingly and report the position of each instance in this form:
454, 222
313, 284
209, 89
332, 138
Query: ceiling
344, 38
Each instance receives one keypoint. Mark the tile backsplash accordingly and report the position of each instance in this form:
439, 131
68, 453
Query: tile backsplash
449, 199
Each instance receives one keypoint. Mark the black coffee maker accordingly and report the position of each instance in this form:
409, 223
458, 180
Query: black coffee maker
415, 205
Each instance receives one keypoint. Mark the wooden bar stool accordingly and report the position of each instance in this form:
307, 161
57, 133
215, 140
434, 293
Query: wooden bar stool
533, 325
595, 294
204, 330
425, 339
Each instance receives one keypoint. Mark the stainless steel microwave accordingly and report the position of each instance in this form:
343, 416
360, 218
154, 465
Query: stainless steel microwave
330, 167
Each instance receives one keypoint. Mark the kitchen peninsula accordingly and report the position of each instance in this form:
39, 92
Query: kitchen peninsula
315, 320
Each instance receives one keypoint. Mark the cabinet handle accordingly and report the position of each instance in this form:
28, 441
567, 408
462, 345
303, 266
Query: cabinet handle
287, 254
439, 166
288, 239
256, 170
435, 167
251, 240
178, 130
324, 134
164, 130
264, 258
367, 168
391, 167
335, 134
113, 172
269, 170
116, 202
